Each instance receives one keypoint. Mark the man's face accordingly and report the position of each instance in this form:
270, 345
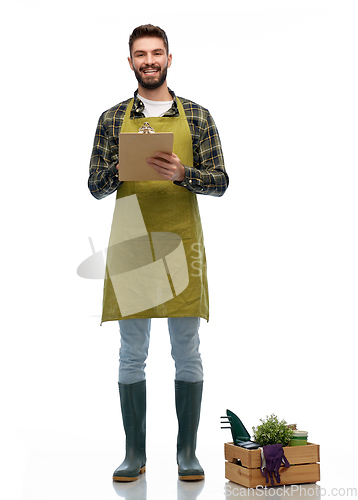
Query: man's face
150, 62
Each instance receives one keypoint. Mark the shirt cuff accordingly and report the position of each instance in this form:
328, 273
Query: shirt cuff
113, 170
192, 180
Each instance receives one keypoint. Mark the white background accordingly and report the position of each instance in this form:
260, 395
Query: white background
280, 79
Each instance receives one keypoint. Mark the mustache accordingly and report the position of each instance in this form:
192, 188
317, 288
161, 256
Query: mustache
150, 66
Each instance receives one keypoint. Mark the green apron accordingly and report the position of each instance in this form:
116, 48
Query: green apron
156, 264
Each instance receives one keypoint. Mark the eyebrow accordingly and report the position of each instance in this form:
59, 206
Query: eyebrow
139, 51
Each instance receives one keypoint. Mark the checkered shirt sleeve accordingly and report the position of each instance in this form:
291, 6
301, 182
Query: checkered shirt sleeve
208, 174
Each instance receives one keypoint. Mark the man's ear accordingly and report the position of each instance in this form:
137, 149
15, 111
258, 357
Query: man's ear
170, 58
130, 63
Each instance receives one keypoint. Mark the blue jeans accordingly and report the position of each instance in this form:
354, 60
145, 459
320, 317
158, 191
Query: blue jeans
184, 338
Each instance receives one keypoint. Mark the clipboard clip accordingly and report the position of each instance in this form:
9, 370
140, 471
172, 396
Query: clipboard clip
146, 129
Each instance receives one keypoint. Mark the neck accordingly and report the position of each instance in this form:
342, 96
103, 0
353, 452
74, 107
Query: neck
160, 94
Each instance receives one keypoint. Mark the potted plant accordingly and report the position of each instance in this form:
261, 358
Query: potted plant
272, 431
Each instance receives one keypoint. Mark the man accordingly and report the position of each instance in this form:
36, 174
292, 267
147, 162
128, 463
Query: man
159, 218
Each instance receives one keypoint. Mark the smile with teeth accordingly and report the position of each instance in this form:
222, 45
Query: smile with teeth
150, 71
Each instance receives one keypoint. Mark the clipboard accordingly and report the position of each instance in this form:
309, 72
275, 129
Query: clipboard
136, 147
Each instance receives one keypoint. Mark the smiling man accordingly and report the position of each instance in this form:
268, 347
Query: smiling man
158, 213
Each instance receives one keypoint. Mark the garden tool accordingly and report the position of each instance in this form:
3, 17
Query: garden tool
239, 433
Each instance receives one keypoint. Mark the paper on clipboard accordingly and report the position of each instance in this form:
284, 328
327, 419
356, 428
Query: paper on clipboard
135, 148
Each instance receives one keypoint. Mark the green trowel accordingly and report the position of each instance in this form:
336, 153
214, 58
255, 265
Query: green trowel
239, 432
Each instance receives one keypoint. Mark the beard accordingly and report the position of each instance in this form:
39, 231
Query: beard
151, 82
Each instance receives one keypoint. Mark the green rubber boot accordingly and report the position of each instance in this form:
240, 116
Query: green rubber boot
188, 402
133, 406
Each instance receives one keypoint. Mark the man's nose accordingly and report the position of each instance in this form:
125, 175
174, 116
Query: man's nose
149, 59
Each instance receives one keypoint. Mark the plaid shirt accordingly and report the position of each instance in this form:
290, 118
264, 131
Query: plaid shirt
207, 176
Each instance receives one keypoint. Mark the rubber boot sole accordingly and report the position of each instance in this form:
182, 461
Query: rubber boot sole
192, 478
127, 479
195, 477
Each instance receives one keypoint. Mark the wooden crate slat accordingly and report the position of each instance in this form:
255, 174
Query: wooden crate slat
251, 478
252, 458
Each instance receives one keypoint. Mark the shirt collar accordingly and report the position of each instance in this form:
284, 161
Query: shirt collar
138, 107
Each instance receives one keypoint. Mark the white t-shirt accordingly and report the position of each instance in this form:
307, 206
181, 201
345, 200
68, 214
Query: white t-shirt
155, 108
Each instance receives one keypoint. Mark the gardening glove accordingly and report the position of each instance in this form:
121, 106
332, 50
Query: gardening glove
272, 456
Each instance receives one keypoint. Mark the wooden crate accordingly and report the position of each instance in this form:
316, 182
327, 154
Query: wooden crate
303, 459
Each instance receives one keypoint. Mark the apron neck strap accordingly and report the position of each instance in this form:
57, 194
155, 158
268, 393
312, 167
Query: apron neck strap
131, 102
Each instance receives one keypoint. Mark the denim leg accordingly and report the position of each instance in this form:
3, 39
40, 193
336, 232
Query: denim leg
184, 338
135, 334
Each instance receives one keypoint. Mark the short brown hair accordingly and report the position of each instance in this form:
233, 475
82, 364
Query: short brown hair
148, 30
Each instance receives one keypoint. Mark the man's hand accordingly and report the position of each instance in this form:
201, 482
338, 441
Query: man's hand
169, 166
